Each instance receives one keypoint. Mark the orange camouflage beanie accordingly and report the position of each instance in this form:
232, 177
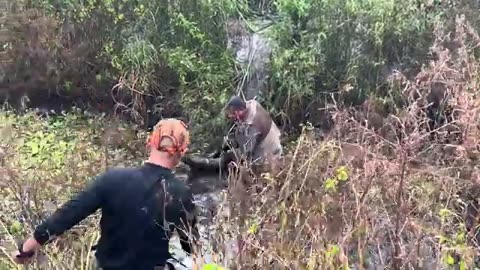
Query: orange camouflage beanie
174, 129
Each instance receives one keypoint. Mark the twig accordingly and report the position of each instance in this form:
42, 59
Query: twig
397, 252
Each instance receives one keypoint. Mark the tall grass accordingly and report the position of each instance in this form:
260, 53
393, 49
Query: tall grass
393, 195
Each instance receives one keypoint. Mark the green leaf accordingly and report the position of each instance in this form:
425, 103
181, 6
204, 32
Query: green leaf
342, 173
253, 229
460, 236
333, 251
450, 260
16, 227
34, 147
444, 212
212, 266
331, 184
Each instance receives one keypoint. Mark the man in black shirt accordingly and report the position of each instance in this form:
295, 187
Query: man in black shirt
141, 207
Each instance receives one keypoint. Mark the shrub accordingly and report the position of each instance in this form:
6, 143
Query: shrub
172, 58
156, 56
395, 194
393, 197
344, 50
45, 161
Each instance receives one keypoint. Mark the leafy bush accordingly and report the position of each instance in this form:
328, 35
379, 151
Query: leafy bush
397, 196
402, 196
345, 49
389, 192
45, 161
172, 58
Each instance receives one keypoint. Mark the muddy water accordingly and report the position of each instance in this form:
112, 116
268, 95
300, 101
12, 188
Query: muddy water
208, 196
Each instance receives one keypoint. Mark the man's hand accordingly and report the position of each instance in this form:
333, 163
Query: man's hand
26, 251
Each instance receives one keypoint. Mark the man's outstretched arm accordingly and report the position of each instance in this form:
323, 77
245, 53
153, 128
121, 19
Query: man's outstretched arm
71, 213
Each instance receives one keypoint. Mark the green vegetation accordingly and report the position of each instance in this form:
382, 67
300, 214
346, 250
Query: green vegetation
45, 161
346, 47
392, 184
177, 51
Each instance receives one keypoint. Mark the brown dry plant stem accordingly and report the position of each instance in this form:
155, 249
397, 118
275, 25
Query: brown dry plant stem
399, 219
367, 196
377, 197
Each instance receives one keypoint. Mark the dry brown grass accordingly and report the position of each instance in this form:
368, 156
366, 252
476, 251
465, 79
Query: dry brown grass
392, 196
374, 198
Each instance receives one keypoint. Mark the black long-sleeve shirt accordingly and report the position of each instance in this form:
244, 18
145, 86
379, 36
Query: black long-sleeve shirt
138, 218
